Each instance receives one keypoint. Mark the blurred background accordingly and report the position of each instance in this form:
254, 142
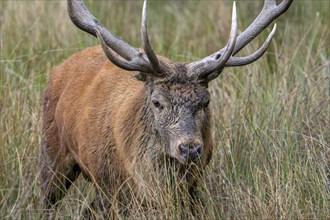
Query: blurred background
271, 119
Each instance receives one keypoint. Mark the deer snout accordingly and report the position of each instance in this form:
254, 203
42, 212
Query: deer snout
190, 151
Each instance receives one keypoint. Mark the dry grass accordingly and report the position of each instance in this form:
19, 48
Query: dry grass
271, 118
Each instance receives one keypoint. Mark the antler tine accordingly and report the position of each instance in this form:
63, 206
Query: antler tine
240, 61
133, 59
214, 66
84, 20
268, 14
81, 17
127, 65
146, 43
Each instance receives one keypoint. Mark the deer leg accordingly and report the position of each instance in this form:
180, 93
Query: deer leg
57, 175
99, 207
112, 198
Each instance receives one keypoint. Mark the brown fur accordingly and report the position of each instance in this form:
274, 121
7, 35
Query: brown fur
97, 120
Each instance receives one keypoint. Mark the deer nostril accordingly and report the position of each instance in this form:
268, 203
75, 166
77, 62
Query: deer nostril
190, 151
196, 152
183, 149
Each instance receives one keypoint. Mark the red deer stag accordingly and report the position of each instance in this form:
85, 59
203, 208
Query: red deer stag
119, 122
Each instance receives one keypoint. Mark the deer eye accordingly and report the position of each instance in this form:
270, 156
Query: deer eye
156, 104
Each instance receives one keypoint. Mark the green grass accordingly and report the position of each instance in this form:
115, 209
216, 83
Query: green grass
271, 118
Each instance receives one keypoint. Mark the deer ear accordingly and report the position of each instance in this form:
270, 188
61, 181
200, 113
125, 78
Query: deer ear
141, 76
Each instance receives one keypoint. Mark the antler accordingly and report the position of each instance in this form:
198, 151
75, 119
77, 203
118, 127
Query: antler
210, 67
132, 58
146, 61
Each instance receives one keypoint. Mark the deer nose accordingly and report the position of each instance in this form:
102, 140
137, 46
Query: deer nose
190, 151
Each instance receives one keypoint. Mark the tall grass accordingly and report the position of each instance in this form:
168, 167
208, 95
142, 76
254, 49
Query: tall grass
271, 118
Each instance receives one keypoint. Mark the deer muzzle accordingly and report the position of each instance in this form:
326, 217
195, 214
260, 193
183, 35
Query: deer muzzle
190, 151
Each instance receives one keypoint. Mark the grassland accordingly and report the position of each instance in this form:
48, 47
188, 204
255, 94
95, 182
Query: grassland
271, 119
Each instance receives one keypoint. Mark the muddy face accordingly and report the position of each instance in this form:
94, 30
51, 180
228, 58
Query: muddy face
179, 109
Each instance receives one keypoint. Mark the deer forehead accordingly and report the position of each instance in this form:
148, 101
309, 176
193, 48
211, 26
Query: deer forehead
181, 93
